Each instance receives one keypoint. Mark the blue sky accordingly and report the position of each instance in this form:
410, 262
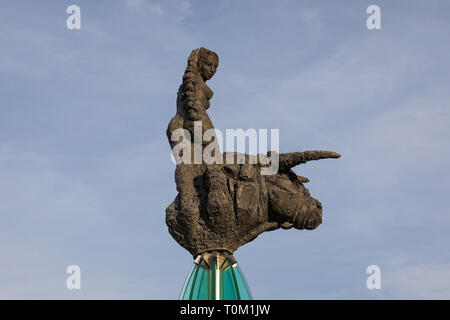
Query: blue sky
85, 170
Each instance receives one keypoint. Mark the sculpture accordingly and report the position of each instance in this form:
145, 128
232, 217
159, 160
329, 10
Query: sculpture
220, 207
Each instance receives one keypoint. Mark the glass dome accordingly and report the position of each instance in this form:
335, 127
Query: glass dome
215, 276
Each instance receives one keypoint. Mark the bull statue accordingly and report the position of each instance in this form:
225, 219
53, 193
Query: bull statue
222, 205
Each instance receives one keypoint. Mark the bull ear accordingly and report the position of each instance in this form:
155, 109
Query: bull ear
302, 179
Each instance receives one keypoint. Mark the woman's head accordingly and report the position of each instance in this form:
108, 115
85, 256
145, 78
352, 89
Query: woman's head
208, 61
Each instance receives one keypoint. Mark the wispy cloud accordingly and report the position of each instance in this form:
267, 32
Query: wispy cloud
175, 10
427, 279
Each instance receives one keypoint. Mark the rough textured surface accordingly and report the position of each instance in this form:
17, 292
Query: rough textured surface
223, 206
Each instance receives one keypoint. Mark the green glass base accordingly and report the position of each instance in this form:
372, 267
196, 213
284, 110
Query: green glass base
215, 276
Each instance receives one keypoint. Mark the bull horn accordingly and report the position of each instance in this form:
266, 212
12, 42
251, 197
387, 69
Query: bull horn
292, 159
